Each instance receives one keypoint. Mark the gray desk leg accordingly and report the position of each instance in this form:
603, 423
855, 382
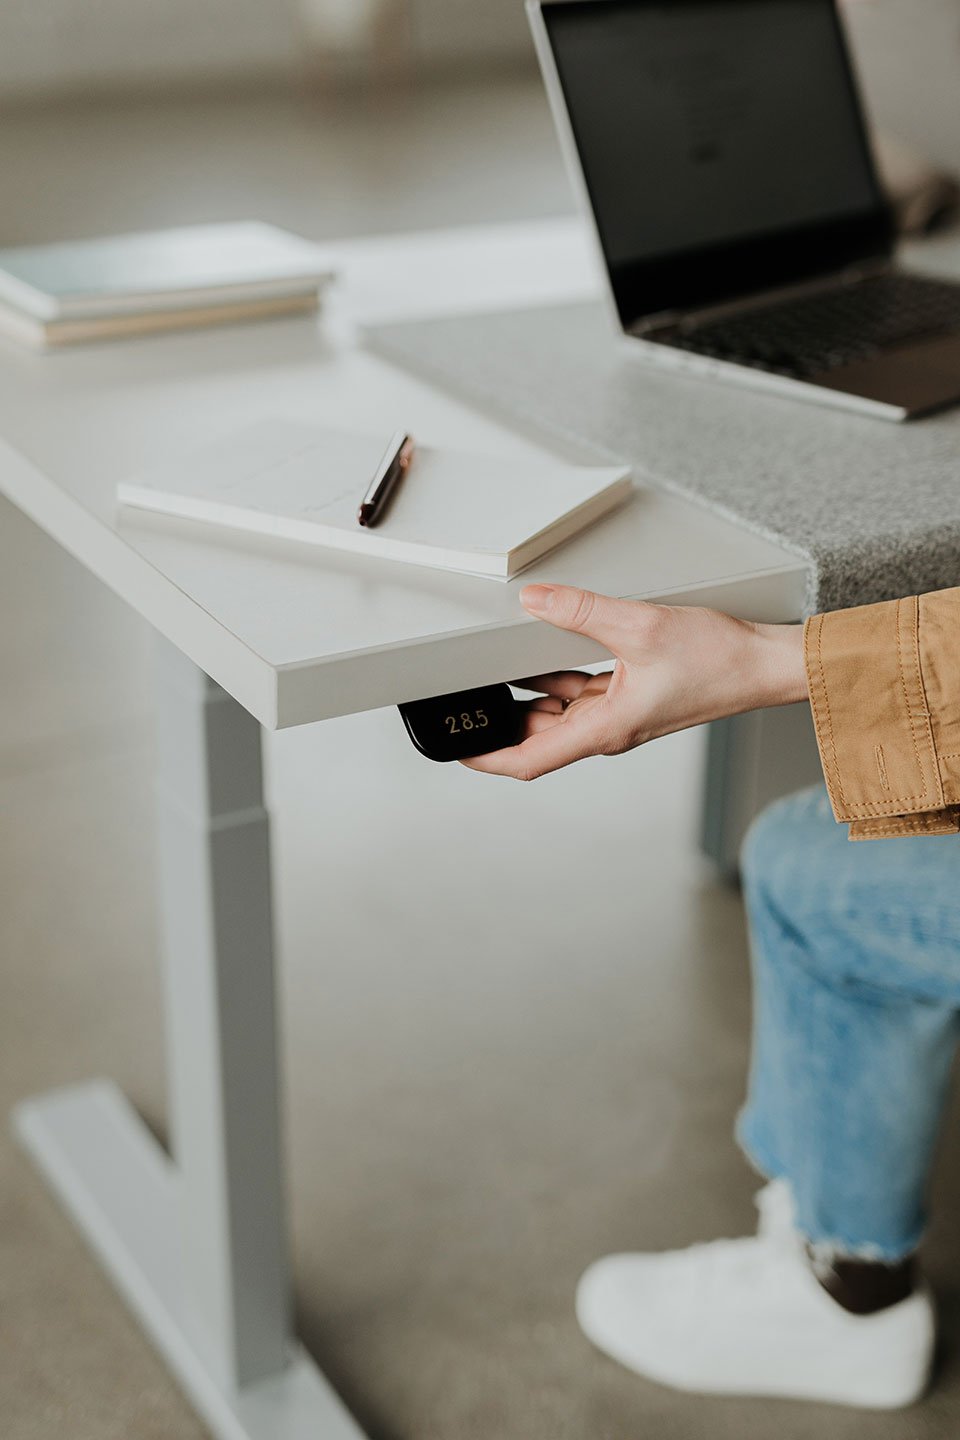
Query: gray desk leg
751, 761
195, 1241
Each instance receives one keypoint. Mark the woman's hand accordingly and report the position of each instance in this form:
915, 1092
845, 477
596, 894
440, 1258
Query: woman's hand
676, 667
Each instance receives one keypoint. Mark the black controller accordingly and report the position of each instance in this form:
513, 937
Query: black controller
455, 727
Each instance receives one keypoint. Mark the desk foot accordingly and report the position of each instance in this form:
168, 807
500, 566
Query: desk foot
121, 1188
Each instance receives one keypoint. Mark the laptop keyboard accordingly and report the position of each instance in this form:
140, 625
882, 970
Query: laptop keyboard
803, 337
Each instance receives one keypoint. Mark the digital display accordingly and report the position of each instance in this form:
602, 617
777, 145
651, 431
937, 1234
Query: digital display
465, 721
470, 722
721, 142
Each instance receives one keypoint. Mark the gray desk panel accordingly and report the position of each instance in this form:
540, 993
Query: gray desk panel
873, 505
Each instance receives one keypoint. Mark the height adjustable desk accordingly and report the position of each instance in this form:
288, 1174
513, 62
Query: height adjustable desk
256, 634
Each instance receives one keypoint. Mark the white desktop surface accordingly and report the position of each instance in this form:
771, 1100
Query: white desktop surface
296, 633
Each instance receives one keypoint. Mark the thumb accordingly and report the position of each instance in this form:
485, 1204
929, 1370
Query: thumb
599, 616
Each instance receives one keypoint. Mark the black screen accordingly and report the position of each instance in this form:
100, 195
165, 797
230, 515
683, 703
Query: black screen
721, 142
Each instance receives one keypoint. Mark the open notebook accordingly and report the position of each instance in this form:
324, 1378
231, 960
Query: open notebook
452, 512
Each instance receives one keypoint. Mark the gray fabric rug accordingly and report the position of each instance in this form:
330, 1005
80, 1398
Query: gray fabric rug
874, 505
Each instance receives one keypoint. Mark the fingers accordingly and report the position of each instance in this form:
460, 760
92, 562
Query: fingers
538, 721
549, 745
548, 705
610, 621
564, 684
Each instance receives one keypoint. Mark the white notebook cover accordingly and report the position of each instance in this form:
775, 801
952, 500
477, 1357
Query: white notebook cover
159, 269
452, 512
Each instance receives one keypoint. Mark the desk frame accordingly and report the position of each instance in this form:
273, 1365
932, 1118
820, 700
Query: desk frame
196, 1240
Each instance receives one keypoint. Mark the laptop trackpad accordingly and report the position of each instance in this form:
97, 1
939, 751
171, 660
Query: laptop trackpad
920, 376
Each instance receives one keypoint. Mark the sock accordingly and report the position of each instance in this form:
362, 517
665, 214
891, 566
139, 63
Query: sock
865, 1286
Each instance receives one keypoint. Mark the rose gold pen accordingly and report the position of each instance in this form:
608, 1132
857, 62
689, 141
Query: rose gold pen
391, 470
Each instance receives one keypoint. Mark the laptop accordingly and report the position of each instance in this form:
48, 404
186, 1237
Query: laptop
720, 148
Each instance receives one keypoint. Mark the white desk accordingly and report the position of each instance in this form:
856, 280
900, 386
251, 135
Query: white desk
283, 635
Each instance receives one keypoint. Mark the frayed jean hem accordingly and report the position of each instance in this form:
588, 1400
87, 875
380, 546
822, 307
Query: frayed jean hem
823, 1248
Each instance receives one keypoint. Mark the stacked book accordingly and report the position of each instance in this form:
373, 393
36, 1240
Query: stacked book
161, 280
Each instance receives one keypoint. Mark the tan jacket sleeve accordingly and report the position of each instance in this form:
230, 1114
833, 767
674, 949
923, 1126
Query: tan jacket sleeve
885, 691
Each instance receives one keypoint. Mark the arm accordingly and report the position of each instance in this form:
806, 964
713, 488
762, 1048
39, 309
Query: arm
883, 681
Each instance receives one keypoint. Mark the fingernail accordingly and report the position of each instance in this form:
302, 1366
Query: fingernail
537, 597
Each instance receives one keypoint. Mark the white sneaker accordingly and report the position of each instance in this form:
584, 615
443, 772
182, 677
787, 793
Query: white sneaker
748, 1317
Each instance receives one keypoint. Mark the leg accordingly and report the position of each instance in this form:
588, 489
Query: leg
856, 993
857, 963
218, 976
197, 1242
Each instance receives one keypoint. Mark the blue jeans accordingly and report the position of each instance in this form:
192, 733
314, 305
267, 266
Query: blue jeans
856, 957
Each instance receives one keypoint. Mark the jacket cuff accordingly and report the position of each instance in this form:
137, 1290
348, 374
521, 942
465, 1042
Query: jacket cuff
874, 727
929, 822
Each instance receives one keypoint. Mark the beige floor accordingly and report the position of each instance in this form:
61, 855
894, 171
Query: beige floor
526, 1050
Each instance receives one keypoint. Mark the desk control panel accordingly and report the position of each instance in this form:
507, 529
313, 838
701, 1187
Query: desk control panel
471, 722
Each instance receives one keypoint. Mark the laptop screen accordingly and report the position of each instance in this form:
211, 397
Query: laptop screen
721, 142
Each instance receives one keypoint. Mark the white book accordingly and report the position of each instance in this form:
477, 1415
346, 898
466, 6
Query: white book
196, 265
49, 334
470, 513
